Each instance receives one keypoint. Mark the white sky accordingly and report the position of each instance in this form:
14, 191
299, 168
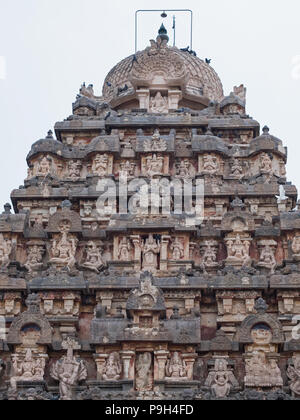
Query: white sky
49, 47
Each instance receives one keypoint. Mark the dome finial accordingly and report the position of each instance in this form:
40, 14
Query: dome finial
163, 33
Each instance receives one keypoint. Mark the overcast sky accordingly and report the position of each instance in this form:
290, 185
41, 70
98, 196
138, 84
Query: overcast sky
49, 47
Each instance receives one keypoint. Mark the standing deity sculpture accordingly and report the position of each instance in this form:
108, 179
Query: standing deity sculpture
210, 165
238, 251
154, 165
209, 255
5, 251
150, 249
159, 104
127, 169
176, 368
296, 246
100, 165
27, 368
177, 249
35, 257
236, 169
221, 379
112, 369
266, 165
143, 368
124, 249
94, 259
293, 373
69, 370
74, 169
63, 250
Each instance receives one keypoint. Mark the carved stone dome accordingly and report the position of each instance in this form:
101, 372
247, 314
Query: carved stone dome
161, 65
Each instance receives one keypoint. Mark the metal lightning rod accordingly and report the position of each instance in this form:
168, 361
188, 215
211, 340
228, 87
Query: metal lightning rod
163, 15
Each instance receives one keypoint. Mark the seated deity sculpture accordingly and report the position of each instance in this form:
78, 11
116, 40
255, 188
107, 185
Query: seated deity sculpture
124, 249
150, 249
184, 169
35, 258
176, 368
156, 144
210, 165
221, 388
27, 369
238, 251
154, 165
221, 379
44, 167
63, 250
266, 165
159, 104
94, 260
5, 251
100, 165
74, 169
267, 258
112, 369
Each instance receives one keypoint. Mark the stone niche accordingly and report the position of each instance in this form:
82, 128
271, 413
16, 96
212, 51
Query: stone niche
261, 334
30, 335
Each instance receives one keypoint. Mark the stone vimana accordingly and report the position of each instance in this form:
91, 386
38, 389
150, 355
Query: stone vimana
98, 303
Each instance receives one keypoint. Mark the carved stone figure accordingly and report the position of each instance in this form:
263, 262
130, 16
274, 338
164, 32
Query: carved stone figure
94, 259
124, 249
112, 368
177, 249
184, 169
74, 169
296, 246
267, 255
159, 104
127, 169
143, 377
238, 251
100, 165
5, 251
63, 250
266, 165
35, 257
209, 255
44, 167
27, 368
156, 144
154, 165
221, 379
210, 164
69, 370
150, 249
293, 373
176, 368
260, 372
236, 169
